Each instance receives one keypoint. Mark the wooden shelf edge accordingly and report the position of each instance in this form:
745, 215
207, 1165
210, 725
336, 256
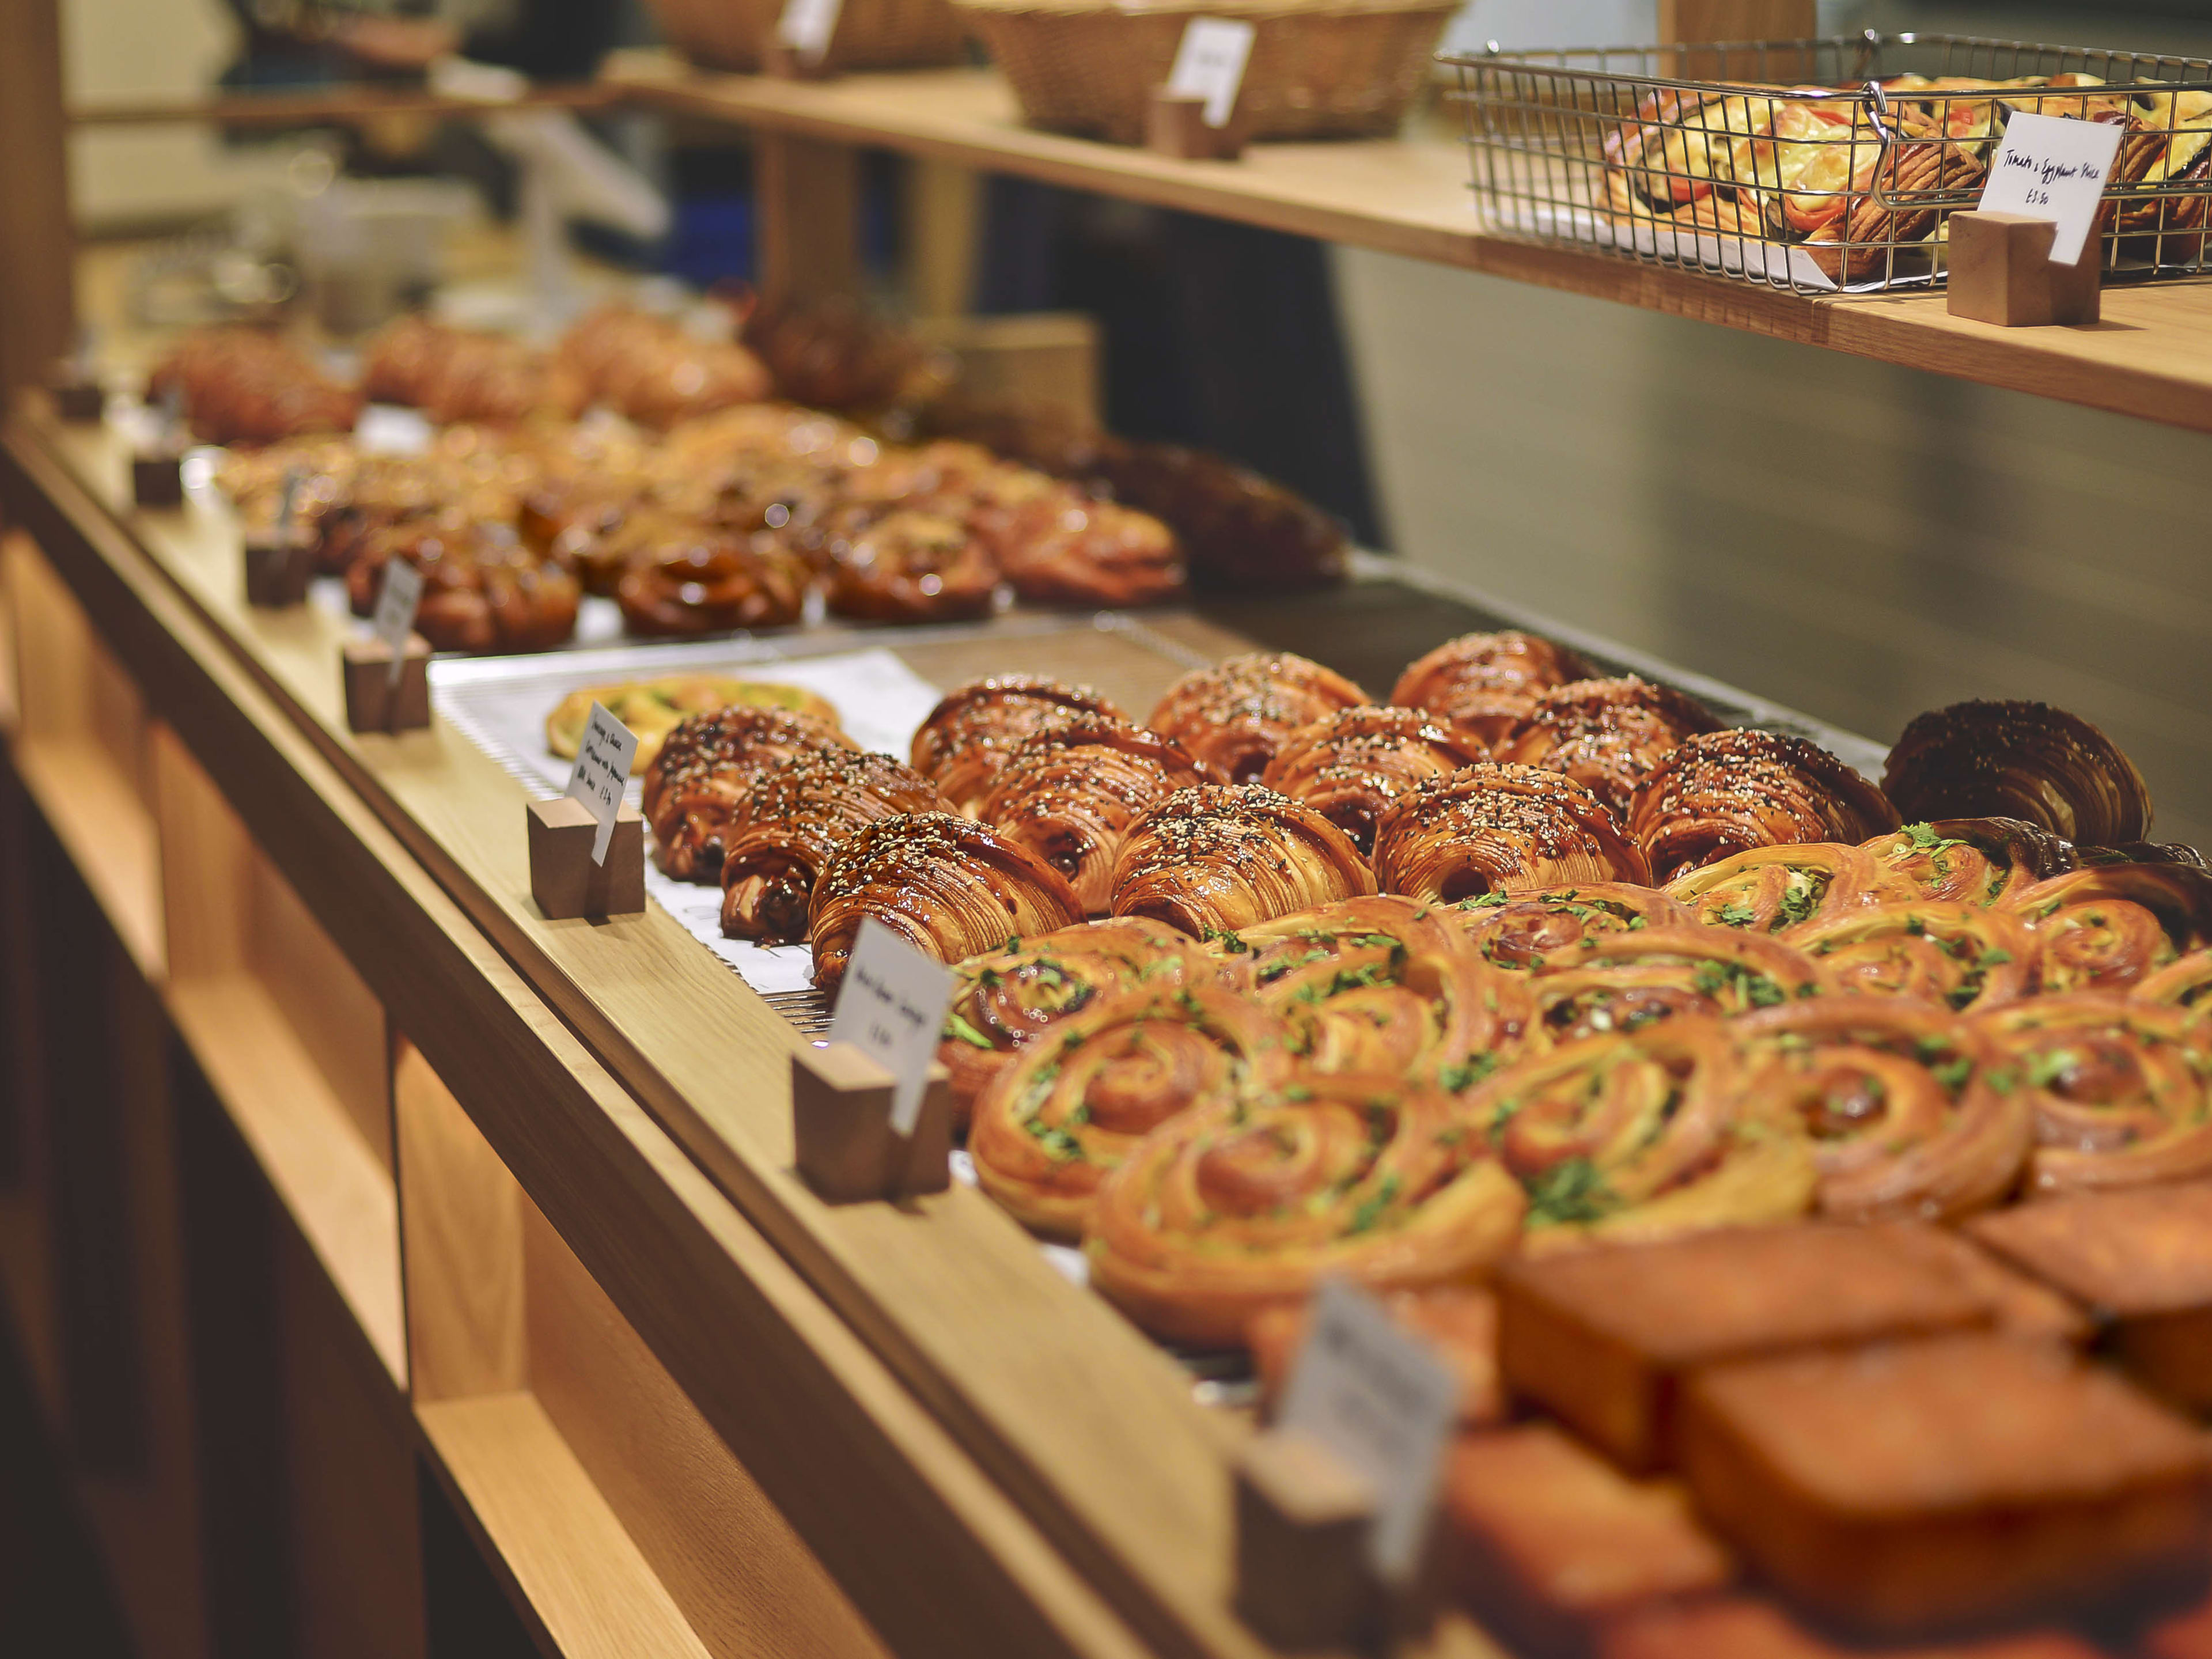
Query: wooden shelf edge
108, 834
300, 1134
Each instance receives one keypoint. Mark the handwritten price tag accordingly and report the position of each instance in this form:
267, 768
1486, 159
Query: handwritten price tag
1379, 1398
806, 26
396, 604
602, 773
2050, 168
1210, 64
892, 1007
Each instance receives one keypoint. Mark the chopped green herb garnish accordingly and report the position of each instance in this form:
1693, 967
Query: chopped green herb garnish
961, 1030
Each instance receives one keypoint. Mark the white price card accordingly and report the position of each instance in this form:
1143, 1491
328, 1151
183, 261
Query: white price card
1210, 64
1380, 1399
602, 772
807, 26
2051, 169
396, 603
892, 1007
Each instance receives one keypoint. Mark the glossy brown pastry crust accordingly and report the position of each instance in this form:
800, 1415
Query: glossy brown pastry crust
655, 370
482, 590
912, 567
1971, 860
1225, 857
1493, 827
2018, 760
2108, 928
460, 374
1606, 735
711, 585
706, 772
1956, 956
1353, 766
1524, 931
1487, 683
1624, 981
965, 743
1062, 547
1071, 793
1725, 792
1246, 1202
1236, 715
246, 386
791, 822
949, 886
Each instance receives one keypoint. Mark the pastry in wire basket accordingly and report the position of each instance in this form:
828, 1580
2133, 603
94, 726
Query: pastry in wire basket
791, 824
1906, 1117
1771, 890
1236, 715
2018, 760
1076, 1102
949, 887
1247, 1203
1524, 931
1626, 982
1493, 827
1959, 956
1487, 683
705, 773
1071, 793
1606, 735
1724, 792
2106, 927
966, 742
1969, 861
1352, 767
1222, 858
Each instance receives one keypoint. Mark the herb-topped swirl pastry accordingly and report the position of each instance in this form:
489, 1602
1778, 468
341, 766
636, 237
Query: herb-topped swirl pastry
1524, 931
1960, 955
1971, 860
1625, 981
1770, 889
2109, 927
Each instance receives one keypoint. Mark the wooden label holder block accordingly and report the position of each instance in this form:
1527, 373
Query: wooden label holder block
372, 702
2001, 271
78, 396
277, 569
1303, 1518
565, 882
840, 1125
157, 475
784, 62
1176, 126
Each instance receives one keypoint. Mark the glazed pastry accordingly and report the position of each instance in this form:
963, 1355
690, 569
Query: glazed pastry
705, 773
1492, 828
1240, 532
482, 592
708, 585
1353, 766
1004, 998
1458, 1322
1070, 794
1524, 931
945, 884
1246, 1203
1771, 888
1625, 981
2117, 1088
1487, 683
1235, 716
2020, 760
791, 822
1726, 792
2186, 983
1226, 857
1898, 1099
1075, 1103
1625, 1137
247, 386
653, 369
454, 375
913, 567
1962, 956
651, 708
1972, 860
2107, 927
1606, 735
1065, 549
964, 744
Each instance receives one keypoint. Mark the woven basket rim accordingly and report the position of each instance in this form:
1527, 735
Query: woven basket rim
1262, 9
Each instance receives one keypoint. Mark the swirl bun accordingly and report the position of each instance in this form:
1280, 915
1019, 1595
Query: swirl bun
705, 771
791, 822
1957, 955
2106, 927
1493, 827
1724, 792
1353, 766
964, 744
1487, 683
1972, 860
1225, 857
1606, 735
1770, 889
1524, 931
911, 566
1236, 715
1626, 982
2018, 760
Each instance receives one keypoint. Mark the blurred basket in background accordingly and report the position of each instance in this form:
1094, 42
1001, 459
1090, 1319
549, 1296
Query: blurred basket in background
871, 34
1348, 69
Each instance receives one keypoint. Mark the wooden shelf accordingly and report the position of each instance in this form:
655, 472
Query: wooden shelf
2150, 357
109, 835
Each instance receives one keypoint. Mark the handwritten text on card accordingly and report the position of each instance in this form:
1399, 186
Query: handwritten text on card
1210, 64
892, 1007
396, 604
602, 773
2050, 168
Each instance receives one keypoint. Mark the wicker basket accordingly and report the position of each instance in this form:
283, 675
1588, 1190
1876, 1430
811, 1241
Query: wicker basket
871, 34
1347, 68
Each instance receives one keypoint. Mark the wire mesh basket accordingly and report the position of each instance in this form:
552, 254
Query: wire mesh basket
1818, 165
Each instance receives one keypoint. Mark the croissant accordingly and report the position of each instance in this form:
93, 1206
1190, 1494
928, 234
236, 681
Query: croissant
1487, 683
2018, 760
1897, 1095
706, 770
1625, 1137
1963, 956
1076, 1102
1493, 827
1004, 998
1244, 1205
964, 743
1973, 861
2117, 1087
2105, 928
1070, 794
1606, 735
1225, 857
1724, 792
1234, 716
1353, 766
791, 822
1625, 982
2186, 983
1524, 931
913, 567
1770, 889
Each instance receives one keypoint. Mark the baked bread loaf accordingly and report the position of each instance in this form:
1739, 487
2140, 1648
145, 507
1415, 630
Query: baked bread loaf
1491, 828
1225, 857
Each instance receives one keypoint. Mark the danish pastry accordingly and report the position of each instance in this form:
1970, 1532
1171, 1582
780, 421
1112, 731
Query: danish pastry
1606, 735
1725, 792
1487, 683
964, 744
705, 773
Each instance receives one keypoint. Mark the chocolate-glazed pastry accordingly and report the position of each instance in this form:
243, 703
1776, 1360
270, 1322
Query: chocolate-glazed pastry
2020, 760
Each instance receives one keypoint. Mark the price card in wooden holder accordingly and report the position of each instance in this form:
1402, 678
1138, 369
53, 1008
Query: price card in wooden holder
587, 849
2028, 256
804, 30
388, 677
279, 560
1196, 115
